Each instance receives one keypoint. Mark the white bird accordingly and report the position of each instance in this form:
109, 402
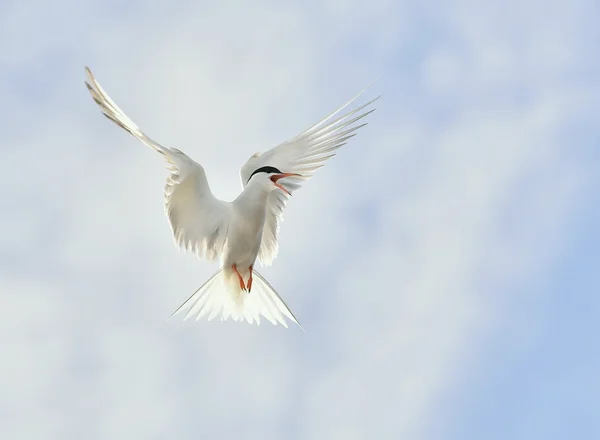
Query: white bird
244, 230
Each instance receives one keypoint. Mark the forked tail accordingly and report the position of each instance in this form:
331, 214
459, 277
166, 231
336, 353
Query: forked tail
221, 296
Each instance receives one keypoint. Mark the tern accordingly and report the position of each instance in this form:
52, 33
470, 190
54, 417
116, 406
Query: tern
246, 229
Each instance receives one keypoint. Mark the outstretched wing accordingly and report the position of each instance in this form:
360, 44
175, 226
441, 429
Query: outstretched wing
199, 221
304, 155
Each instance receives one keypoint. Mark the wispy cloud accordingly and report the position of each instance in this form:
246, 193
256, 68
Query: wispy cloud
400, 258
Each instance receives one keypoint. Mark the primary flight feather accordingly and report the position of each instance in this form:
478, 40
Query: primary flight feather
244, 230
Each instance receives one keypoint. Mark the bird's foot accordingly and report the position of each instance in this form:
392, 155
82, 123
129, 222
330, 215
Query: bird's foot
250, 280
242, 285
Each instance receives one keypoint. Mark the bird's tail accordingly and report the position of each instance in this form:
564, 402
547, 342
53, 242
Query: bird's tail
222, 296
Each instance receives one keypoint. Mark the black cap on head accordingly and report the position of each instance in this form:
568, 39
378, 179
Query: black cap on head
267, 169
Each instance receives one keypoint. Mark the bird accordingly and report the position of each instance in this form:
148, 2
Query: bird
240, 232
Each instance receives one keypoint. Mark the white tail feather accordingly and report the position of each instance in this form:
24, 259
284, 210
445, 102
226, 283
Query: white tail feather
221, 295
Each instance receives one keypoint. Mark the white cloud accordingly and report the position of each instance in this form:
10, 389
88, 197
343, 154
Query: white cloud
395, 257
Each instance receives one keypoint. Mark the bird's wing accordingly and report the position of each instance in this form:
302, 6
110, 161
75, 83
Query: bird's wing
199, 221
304, 154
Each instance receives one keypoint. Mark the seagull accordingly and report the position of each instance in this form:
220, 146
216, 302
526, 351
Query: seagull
246, 229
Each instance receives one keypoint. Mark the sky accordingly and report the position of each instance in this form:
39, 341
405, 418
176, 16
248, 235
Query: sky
444, 263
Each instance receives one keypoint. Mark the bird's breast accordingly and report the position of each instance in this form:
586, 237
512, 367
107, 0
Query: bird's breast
244, 238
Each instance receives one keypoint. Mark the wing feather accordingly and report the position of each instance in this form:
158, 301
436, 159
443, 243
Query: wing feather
198, 220
303, 154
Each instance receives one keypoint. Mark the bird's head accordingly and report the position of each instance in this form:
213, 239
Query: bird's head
269, 177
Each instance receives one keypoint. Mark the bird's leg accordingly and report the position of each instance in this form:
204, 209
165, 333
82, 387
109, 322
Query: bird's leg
242, 285
250, 280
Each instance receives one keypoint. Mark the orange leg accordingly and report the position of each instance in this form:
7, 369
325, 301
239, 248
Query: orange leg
242, 285
250, 280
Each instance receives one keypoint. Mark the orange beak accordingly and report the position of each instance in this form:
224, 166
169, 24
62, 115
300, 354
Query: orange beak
276, 177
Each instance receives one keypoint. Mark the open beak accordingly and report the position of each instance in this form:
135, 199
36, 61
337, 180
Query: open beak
276, 177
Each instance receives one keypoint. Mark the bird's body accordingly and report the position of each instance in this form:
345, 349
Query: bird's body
245, 230
248, 213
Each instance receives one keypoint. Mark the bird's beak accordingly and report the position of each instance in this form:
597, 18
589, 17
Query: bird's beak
276, 177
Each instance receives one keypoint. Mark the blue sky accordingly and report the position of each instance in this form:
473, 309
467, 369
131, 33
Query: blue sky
443, 264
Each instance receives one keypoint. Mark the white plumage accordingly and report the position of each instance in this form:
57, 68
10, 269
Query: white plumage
246, 229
